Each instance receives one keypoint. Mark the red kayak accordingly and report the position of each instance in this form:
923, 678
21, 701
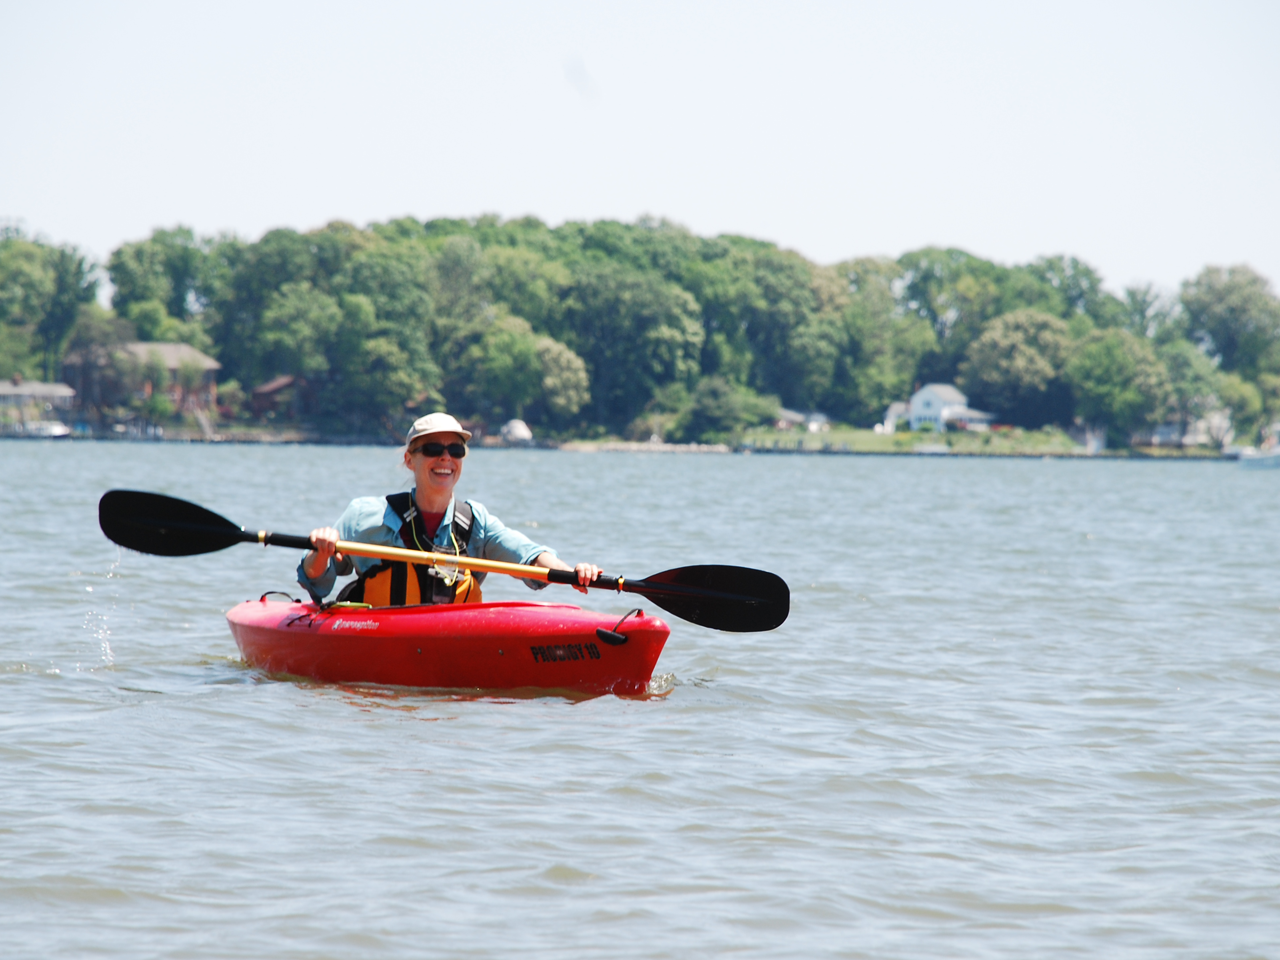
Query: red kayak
474, 646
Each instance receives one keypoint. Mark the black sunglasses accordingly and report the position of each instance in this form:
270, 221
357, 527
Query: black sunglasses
434, 449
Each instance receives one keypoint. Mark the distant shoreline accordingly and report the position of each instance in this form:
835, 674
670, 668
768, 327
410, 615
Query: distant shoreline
299, 438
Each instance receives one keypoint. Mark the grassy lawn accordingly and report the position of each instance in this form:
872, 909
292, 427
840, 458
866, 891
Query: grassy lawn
1009, 442
1005, 442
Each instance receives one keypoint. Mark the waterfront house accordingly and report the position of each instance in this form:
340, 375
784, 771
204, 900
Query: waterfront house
813, 422
192, 374
30, 408
1214, 429
18, 392
786, 419
268, 397
940, 405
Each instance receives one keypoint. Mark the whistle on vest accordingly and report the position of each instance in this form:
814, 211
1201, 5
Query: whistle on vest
447, 572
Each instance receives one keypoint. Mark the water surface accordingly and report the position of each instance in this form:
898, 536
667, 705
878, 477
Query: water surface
1021, 708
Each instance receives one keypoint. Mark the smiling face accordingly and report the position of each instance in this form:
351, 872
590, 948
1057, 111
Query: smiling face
435, 476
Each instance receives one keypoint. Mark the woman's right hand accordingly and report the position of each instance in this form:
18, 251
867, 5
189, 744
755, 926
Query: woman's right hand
316, 562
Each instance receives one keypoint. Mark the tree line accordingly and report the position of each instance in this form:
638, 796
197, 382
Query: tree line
640, 329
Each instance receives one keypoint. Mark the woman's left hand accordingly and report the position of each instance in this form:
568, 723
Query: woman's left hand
586, 572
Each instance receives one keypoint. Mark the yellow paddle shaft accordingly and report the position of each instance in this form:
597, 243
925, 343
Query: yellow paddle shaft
442, 559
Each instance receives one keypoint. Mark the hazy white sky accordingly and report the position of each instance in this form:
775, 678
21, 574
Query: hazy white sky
1142, 137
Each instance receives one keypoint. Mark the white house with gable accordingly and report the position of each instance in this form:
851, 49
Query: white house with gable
940, 404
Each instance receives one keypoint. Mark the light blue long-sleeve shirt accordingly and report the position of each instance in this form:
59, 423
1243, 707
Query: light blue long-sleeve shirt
372, 520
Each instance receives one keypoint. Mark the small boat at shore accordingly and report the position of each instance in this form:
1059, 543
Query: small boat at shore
1252, 459
481, 646
46, 429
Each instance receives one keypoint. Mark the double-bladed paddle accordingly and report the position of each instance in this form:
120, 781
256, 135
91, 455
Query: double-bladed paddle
736, 599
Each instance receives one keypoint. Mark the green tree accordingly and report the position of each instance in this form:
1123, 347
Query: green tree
239, 282
231, 398
1194, 381
1235, 314
1118, 382
42, 289
502, 370
1244, 401
662, 416
15, 353
1268, 385
530, 285
27, 286
153, 323
797, 332
399, 281
152, 401
722, 279
27, 282
103, 375
635, 332
167, 267
566, 388
296, 327
1079, 288
883, 345
649, 245
1148, 314
1015, 369
74, 286
463, 274
719, 410
333, 247
958, 294
398, 278
148, 318
370, 379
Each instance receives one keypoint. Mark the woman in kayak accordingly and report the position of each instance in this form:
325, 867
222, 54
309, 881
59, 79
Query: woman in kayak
426, 518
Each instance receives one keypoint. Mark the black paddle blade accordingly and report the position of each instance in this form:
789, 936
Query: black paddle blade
164, 526
734, 599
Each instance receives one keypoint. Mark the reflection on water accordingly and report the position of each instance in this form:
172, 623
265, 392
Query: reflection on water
1019, 709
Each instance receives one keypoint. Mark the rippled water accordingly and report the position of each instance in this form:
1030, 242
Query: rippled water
1021, 709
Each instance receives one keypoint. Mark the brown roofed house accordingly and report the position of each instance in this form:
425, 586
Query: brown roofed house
182, 360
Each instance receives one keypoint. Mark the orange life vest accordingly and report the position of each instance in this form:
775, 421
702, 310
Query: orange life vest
395, 583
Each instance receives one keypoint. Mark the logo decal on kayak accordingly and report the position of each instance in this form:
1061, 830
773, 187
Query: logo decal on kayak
566, 651
341, 624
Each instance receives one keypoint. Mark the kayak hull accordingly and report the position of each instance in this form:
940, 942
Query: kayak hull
480, 646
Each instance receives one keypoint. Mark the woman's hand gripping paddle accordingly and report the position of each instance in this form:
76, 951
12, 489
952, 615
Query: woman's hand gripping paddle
735, 599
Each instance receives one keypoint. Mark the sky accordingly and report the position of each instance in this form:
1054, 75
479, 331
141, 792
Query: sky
1143, 138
